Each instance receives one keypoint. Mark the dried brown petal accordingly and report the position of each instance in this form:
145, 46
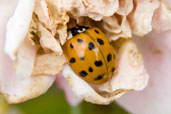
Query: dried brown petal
47, 41
53, 20
125, 7
95, 9
141, 18
48, 64
116, 26
162, 17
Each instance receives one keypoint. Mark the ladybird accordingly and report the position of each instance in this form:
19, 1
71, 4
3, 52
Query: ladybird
90, 54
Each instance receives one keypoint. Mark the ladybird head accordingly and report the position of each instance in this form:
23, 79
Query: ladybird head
76, 30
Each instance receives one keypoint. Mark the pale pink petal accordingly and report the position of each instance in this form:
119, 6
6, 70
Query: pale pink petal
17, 26
168, 2
162, 17
19, 86
4, 15
155, 99
70, 96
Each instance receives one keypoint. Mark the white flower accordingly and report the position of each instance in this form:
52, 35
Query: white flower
35, 42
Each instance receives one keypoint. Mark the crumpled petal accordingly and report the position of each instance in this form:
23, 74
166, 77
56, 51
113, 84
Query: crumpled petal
55, 21
141, 18
132, 77
155, 98
117, 26
95, 9
162, 17
125, 7
47, 41
130, 60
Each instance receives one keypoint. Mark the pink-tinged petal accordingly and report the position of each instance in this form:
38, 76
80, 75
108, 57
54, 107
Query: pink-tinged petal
4, 15
70, 96
155, 99
162, 17
17, 26
168, 2
16, 83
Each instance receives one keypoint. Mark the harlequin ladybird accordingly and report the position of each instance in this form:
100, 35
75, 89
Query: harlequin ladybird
90, 54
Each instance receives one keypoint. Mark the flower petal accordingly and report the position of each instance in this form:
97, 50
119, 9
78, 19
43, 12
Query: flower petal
70, 96
131, 74
48, 64
95, 9
19, 86
117, 26
155, 99
141, 18
18, 26
83, 90
48, 41
125, 7
162, 17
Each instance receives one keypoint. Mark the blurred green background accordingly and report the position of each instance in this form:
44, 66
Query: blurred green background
54, 102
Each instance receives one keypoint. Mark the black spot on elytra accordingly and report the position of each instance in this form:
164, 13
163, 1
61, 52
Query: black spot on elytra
98, 77
109, 57
72, 60
83, 73
81, 58
96, 31
113, 69
90, 69
91, 46
71, 45
79, 40
98, 63
100, 41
